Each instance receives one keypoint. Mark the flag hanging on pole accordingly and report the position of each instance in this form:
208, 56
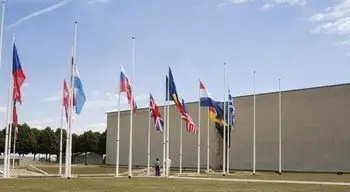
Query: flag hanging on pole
15, 117
190, 126
18, 76
66, 98
155, 114
126, 87
231, 110
78, 94
207, 100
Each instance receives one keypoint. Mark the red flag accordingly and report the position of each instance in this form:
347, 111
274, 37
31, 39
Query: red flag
15, 117
65, 98
18, 76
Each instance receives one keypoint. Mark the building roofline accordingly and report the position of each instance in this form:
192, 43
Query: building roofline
249, 95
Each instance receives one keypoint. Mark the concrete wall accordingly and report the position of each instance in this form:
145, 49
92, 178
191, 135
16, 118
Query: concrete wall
315, 133
140, 128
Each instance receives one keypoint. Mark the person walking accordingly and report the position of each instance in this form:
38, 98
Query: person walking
157, 168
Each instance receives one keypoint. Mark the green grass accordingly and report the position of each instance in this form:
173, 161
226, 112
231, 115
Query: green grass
326, 177
81, 169
153, 185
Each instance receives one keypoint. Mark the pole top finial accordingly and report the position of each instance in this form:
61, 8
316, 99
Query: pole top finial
76, 22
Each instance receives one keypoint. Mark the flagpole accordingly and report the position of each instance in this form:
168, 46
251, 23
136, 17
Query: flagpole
2, 31
61, 132
181, 144
14, 149
1, 43
164, 132
224, 128
9, 117
168, 129
280, 127
208, 142
131, 110
254, 127
198, 133
71, 102
118, 137
228, 141
149, 139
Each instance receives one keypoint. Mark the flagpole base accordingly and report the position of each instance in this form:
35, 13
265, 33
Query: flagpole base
129, 177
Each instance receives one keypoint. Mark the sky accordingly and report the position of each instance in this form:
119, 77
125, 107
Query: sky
303, 42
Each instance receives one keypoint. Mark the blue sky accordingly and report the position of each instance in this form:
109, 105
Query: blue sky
305, 42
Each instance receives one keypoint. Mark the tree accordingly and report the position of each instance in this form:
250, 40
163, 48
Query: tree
2, 140
88, 143
36, 148
102, 143
26, 141
64, 137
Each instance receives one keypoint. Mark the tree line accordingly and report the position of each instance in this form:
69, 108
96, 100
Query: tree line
47, 141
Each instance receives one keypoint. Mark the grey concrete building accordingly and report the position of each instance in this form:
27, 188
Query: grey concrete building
315, 133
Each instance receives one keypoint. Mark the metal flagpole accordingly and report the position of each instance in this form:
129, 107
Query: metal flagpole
224, 129
1, 42
14, 148
208, 142
168, 131
228, 141
71, 102
164, 132
254, 134
2, 30
181, 144
149, 138
280, 127
61, 132
9, 119
118, 135
131, 110
198, 132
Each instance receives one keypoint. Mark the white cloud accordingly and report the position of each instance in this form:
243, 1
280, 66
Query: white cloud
53, 98
112, 101
291, 2
238, 1
98, 1
40, 12
3, 109
267, 6
40, 124
334, 20
99, 127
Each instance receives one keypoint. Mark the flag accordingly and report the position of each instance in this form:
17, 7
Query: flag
126, 87
78, 94
172, 89
14, 117
190, 126
155, 114
206, 100
18, 76
173, 93
66, 98
231, 110
205, 97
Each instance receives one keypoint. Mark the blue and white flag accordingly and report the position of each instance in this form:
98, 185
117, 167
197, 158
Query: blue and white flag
231, 110
78, 92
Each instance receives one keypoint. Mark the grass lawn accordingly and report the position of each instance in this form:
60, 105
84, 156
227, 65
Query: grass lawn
81, 169
153, 185
326, 177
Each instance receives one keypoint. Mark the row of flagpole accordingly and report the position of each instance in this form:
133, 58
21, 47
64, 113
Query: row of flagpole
165, 131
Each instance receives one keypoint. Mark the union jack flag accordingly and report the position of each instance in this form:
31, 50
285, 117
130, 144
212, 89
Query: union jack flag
190, 126
155, 114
